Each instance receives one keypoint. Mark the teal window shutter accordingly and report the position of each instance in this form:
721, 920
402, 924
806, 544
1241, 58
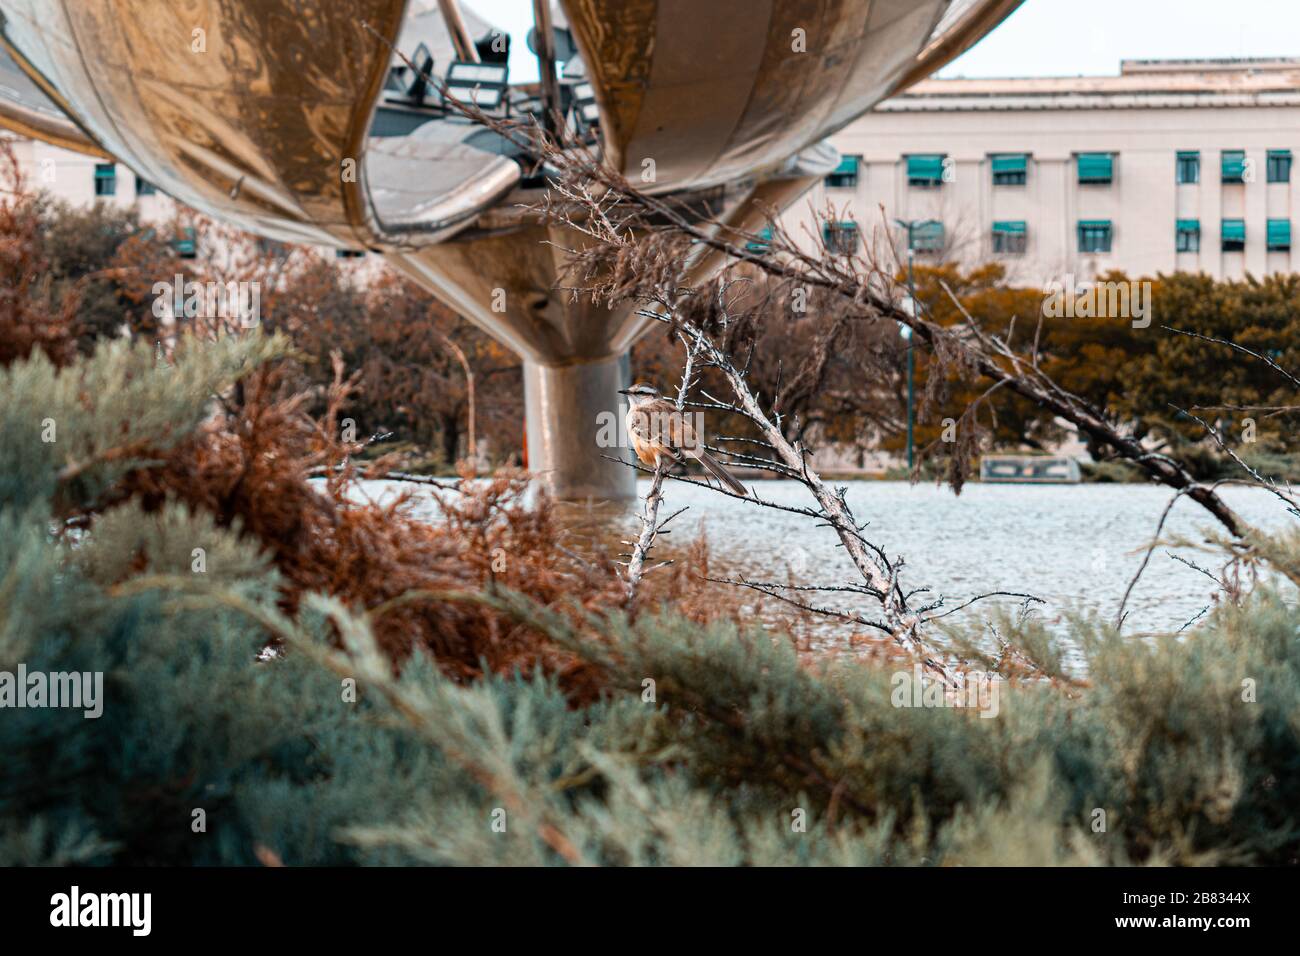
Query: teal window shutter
1009, 169
187, 246
105, 179
927, 236
1232, 235
764, 243
1009, 235
845, 175
1009, 162
1279, 234
1188, 166
1279, 165
1234, 165
1094, 235
1096, 168
925, 169
840, 237
1187, 235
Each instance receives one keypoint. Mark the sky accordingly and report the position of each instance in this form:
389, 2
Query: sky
1090, 37
1058, 37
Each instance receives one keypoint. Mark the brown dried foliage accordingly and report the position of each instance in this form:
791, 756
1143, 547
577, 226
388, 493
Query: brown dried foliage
249, 465
32, 316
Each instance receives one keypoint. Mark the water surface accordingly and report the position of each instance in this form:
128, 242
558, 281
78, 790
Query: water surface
1073, 546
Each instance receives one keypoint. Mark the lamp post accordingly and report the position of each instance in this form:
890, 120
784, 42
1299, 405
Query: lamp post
906, 333
457, 351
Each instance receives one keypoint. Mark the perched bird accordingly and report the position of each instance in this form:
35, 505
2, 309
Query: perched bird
658, 429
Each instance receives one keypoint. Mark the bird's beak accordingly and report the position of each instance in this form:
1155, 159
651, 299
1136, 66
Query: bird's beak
625, 391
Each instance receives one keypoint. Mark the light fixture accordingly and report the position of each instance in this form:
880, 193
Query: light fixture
575, 70
585, 110
483, 84
530, 106
422, 61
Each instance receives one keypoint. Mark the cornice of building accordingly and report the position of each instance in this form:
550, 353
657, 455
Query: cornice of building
1149, 84
1130, 101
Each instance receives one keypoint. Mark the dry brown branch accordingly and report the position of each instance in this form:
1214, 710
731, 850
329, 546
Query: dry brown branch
640, 247
639, 241
878, 571
651, 527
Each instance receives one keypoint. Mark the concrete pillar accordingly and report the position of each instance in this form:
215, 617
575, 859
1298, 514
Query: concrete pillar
573, 421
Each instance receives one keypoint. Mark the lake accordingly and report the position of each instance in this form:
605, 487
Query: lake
1073, 546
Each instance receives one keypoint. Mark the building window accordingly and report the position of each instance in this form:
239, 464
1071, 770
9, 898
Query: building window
1094, 235
845, 175
1095, 169
763, 243
144, 188
1187, 235
1279, 235
1009, 169
925, 169
841, 238
1279, 165
1009, 237
926, 236
187, 245
105, 179
1232, 234
1234, 165
1188, 166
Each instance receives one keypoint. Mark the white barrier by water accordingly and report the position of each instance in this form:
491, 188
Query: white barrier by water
1039, 469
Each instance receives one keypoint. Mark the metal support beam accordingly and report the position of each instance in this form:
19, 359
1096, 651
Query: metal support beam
574, 420
460, 38
545, 38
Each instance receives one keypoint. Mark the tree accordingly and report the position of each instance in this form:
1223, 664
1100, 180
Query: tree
1150, 380
1086, 357
33, 314
101, 266
833, 378
1182, 373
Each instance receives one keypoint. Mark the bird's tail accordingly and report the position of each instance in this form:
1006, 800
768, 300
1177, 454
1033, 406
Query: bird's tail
716, 469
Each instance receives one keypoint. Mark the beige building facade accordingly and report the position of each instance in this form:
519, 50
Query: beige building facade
1169, 166
82, 180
